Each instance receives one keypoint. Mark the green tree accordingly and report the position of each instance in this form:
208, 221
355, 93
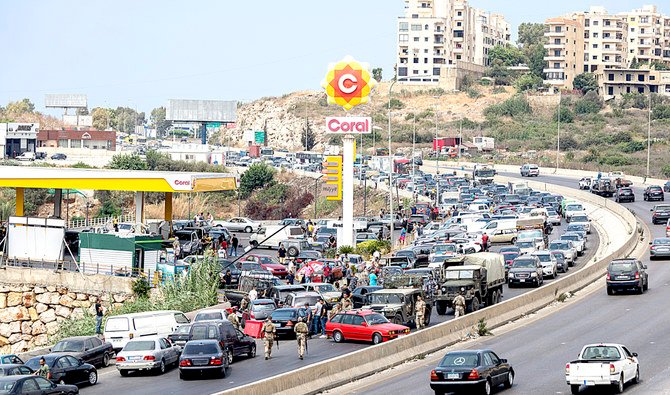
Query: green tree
566, 117
127, 162
377, 73
589, 104
531, 34
661, 112
158, 121
257, 176
102, 118
307, 136
528, 82
506, 55
17, 108
585, 82
535, 59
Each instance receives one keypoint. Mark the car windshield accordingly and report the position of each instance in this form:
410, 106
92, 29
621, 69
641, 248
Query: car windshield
574, 207
301, 300
580, 218
143, 345
525, 244
384, 298
457, 360
183, 329
509, 256
601, 352
544, 257
405, 253
200, 349
208, 316
69, 346
376, 319
620, 267
263, 306
326, 288
459, 274
442, 248
524, 263
555, 245
664, 242
570, 237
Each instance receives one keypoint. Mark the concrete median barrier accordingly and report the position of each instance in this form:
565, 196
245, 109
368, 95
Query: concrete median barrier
346, 368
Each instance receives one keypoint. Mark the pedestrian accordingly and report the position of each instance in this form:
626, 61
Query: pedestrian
253, 294
403, 234
223, 249
281, 253
234, 242
244, 303
459, 305
269, 332
232, 317
115, 224
332, 242
372, 279
98, 316
210, 219
228, 278
316, 320
301, 332
485, 242
326, 273
376, 256
310, 228
420, 313
43, 370
291, 277
324, 320
347, 303
309, 315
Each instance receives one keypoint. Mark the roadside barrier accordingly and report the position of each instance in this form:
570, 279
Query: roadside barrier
350, 367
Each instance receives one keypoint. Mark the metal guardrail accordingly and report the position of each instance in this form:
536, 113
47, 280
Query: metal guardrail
102, 221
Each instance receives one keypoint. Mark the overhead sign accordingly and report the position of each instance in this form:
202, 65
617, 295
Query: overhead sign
65, 101
259, 137
348, 83
357, 125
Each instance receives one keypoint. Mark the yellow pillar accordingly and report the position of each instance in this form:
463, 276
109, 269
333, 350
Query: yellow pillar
19, 202
168, 207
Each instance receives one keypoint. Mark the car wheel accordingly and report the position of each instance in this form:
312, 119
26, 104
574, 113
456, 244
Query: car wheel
474, 305
574, 389
124, 373
509, 381
397, 319
105, 360
292, 251
377, 338
441, 308
513, 240
229, 356
337, 337
636, 379
253, 243
619, 386
92, 377
161, 367
248, 229
610, 291
252, 351
487, 388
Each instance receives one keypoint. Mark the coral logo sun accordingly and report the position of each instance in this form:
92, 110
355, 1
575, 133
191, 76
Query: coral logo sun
348, 83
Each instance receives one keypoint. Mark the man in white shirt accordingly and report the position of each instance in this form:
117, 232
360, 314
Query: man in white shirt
316, 323
253, 294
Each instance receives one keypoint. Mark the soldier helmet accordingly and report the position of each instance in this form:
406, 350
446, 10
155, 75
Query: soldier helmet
300, 319
268, 319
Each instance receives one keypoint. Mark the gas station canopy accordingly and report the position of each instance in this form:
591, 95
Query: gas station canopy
114, 180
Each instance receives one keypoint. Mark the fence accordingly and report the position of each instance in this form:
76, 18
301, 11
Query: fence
102, 221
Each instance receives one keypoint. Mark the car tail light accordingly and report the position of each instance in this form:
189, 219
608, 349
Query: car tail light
120, 359
612, 369
130, 336
252, 315
185, 362
149, 358
474, 375
216, 361
609, 277
637, 275
567, 369
433, 376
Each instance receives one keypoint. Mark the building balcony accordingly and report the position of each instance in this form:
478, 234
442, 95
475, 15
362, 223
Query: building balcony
554, 34
554, 58
554, 82
554, 46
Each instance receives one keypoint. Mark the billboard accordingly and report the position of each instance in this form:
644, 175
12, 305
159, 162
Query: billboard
62, 100
201, 110
358, 125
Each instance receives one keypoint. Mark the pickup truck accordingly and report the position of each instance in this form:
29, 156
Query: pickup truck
603, 364
585, 183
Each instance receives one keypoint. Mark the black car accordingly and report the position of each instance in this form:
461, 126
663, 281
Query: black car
29, 384
66, 369
359, 295
306, 256
654, 192
235, 271
278, 293
233, 342
471, 371
624, 195
623, 274
666, 187
14, 369
202, 356
525, 270
40, 155
88, 348
180, 335
58, 156
286, 318
660, 214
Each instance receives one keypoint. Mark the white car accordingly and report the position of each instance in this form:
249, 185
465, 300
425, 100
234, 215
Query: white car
582, 219
467, 245
526, 246
554, 218
549, 265
604, 364
431, 228
567, 248
147, 353
585, 183
577, 240
572, 209
239, 224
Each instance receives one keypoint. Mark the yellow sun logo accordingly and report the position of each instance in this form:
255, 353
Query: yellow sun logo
348, 83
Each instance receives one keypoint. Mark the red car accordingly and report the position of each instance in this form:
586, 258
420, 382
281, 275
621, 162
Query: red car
270, 264
365, 325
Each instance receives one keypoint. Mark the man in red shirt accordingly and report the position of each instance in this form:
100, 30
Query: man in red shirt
485, 242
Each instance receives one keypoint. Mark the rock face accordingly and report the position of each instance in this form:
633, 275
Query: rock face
30, 315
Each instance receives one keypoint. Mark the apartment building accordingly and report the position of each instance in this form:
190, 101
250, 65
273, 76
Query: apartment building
614, 82
438, 33
605, 40
648, 35
565, 51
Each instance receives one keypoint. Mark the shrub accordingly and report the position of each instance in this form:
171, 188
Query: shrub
512, 107
346, 250
528, 82
615, 160
396, 104
141, 287
632, 147
566, 115
257, 176
661, 112
368, 247
473, 93
621, 137
589, 104
665, 170
483, 328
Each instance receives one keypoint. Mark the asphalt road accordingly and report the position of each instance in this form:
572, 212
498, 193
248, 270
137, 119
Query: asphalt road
249, 370
539, 350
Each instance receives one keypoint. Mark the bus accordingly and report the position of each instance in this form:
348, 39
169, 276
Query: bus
483, 174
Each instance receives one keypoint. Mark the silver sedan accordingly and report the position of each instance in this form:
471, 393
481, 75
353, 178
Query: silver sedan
239, 224
147, 353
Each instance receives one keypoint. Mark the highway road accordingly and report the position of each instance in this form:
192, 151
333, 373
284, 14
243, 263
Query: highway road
539, 350
249, 370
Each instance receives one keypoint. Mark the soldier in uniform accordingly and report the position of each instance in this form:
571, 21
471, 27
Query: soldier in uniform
232, 317
420, 312
301, 332
459, 305
269, 333
346, 303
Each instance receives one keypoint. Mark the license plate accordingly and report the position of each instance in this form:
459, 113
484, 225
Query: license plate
278, 325
662, 250
134, 358
522, 280
589, 383
200, 362
452, 376
622, 277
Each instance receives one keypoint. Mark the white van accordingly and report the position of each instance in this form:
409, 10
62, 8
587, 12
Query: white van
499, 224
276, 235
120, 329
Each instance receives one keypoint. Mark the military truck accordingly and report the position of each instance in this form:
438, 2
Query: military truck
480, 279
604, 187
398, 299
255, 279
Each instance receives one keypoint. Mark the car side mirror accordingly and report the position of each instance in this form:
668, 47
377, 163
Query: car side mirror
54, 385
81, 362
635, 354
364, 323
650, 243
644, 266
503, 360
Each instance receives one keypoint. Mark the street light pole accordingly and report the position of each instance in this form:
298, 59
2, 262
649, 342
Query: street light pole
413, 148
558, 134
437, 150
648, 135
391, 221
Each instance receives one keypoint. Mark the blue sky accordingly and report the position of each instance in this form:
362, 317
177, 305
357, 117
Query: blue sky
141, 53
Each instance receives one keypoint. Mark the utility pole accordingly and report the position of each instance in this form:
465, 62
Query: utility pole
558, 134
648, 136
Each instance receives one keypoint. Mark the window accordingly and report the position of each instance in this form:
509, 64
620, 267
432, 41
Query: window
459, 13
416, 39
403, 27
557, 52
425, 39
558, 29
640, 89
425, 60
63, 363
337, 319
557, 41
595, 35
29, 385
629, 77
403, 38
425, 51
610, 91
347, 319
425, 27
595, 45
595, 57
402, 71
610, 77
494, 358
416, 28
163, 343
459, 24
652, 78
487, 360
557, 65
595, 23
89, 344
357, 320
416, 60
640, 77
